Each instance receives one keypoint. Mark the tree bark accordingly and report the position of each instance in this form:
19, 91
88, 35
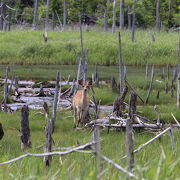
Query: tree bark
121, 18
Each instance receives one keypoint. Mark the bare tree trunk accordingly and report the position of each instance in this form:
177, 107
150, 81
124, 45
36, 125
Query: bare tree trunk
47, 15
129, 132
151, 85
158, 20
106, 16
114, 16
61, 26
178, 86
129, 18
170, 6
48, 147
134, 21
35, 15
1, 16
1, 131
97, 148
56, 93
105, 21
9, 20
25, 130
121, 18
120, 66
64, 14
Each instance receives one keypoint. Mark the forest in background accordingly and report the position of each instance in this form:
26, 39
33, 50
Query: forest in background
97, 10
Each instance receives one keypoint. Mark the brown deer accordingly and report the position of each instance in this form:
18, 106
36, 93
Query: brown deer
81, 103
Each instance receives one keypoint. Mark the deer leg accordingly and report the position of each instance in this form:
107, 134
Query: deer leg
79, 118
75, 117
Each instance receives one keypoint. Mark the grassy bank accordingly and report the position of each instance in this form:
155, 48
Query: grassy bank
77, 165
28, 47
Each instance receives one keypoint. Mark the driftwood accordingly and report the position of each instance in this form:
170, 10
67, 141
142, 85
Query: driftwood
25, 130
1, 131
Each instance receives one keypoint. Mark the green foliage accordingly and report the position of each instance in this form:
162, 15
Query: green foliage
27, 47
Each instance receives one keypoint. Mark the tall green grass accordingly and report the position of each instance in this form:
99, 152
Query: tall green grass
76, 165
28, 47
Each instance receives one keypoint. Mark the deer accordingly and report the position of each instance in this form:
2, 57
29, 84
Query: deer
80, 103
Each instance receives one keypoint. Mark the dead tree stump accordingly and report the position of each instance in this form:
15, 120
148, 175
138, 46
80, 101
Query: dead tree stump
129, 132
1, 131
114, 84
118, 105
25, 130
97, 149
48, 147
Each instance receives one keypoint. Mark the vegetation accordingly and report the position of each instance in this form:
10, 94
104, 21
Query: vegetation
146, 11
27, 47
76, 165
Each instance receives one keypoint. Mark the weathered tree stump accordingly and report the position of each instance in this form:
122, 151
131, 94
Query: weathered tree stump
46, 110
118, 105
129, 132
25, 130
114, 84
48, 147
1, 131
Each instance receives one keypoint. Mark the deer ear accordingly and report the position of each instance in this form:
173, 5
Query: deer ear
80, 82
90, 82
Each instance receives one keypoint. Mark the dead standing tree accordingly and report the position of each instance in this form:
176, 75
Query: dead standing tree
1, 131
56, 94
64, 14
25, 130
134, 21
35, 18
121, 17
114, 16
120, 65
48, 147
158, 19
178, 85
151, 85
129, 132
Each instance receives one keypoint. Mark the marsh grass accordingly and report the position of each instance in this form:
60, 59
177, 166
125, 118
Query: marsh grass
28, 47
76, 165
